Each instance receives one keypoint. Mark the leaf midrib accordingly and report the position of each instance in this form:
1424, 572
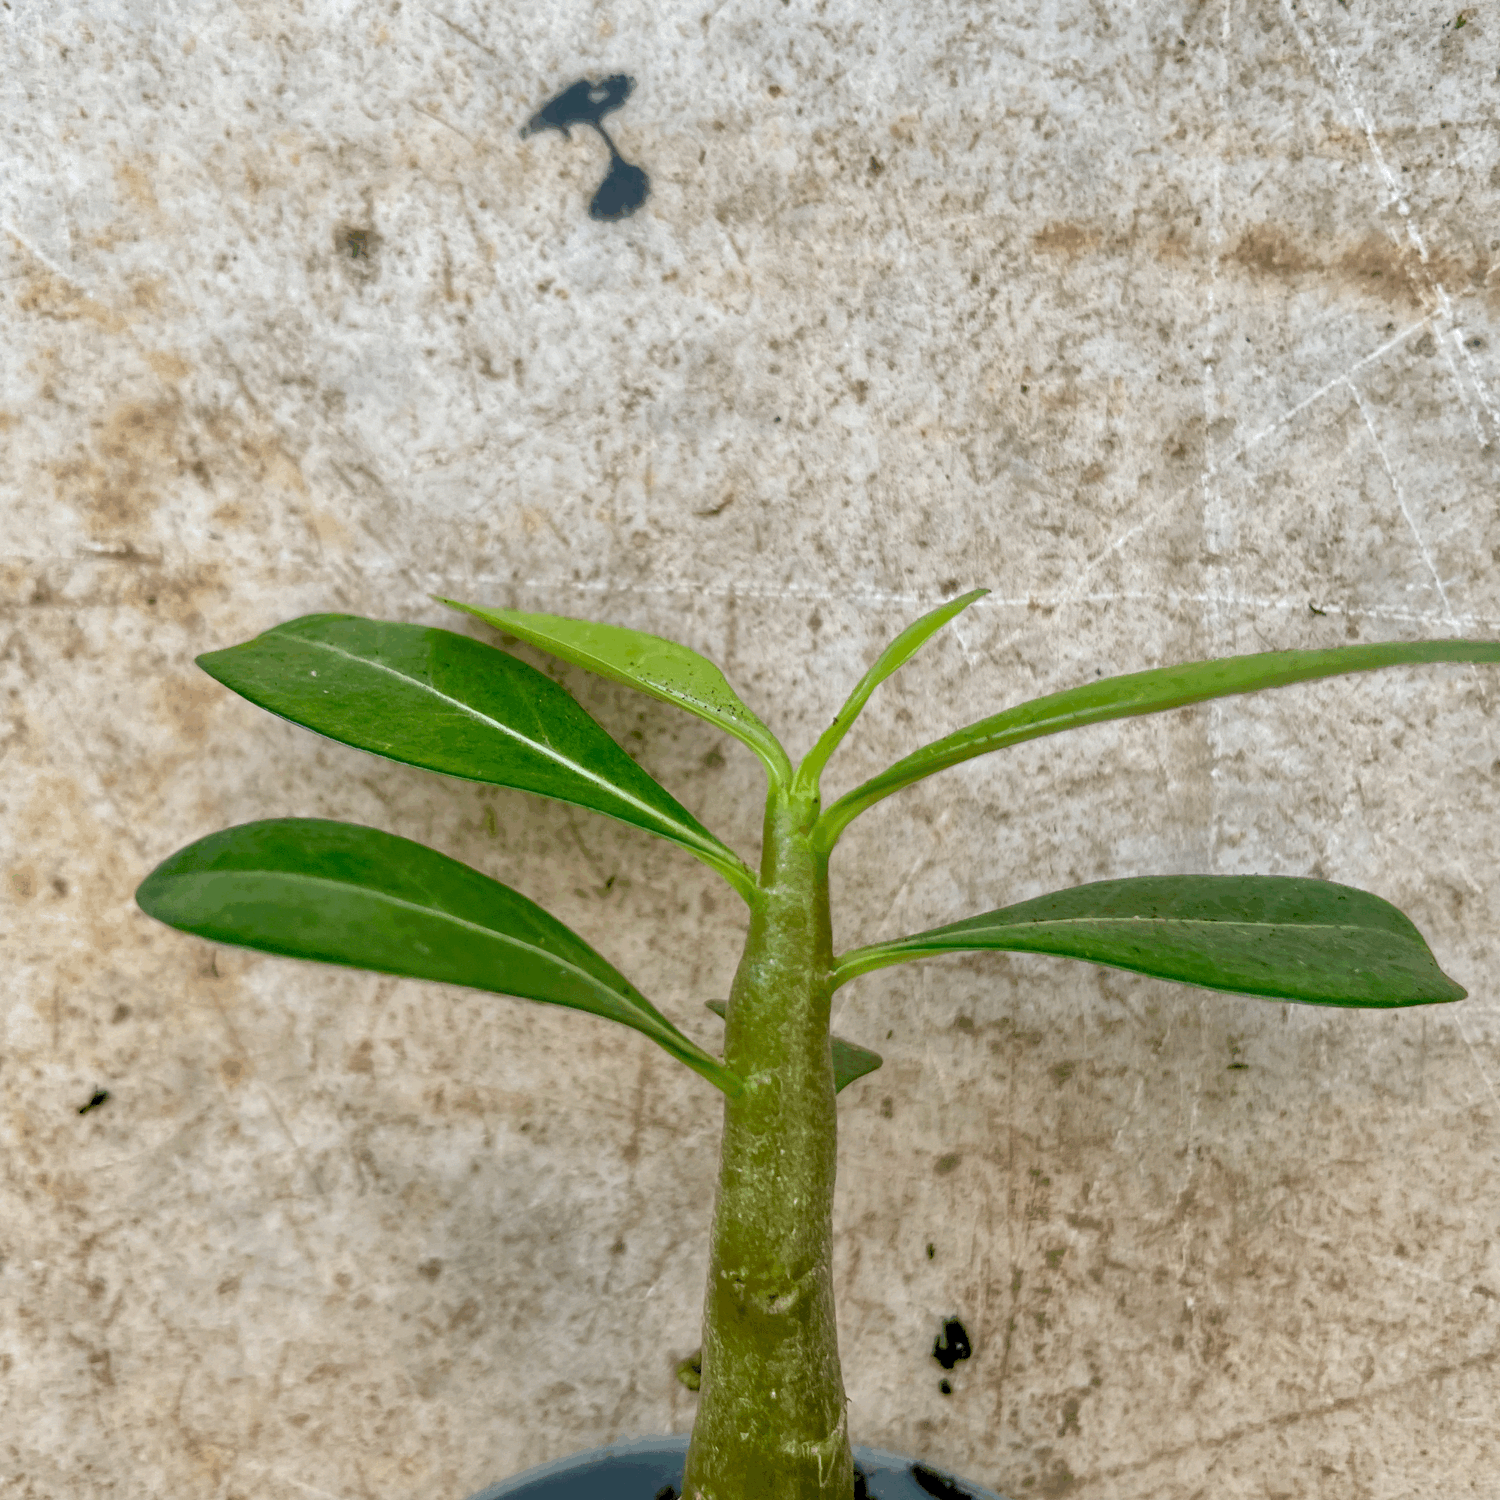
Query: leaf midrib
505, 729
1187, 921
593, 980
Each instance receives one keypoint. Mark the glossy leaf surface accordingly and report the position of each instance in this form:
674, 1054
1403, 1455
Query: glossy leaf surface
1274, 936
1139, 693
435, 699
651, 664
896, 655
345, 894
850, 1060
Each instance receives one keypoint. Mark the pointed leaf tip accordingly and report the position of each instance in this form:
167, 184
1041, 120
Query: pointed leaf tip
896, 655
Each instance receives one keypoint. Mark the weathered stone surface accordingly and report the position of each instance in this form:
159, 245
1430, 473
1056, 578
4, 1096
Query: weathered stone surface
1175, 325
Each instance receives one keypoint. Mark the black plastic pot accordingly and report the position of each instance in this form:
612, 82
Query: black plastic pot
651, 1469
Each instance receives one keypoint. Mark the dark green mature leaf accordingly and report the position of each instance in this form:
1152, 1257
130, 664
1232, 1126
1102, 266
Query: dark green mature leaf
850, 1060
896, 655
651, 664
1138, 693
343, 894
1283, 938
431, 698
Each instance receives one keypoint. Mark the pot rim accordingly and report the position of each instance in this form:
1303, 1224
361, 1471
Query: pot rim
873, 1462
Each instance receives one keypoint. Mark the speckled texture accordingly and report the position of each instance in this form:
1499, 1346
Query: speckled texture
1175, 325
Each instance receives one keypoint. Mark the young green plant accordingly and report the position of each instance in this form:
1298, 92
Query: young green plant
771, 1415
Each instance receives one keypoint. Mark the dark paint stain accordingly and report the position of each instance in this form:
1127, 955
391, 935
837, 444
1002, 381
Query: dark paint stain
101, 1097
933, 1483
952, 1344
625, 187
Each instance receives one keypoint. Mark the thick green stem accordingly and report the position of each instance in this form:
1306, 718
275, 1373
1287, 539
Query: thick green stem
771, 1420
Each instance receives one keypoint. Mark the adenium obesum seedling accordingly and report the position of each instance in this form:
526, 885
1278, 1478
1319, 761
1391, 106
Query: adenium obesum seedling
771, 1414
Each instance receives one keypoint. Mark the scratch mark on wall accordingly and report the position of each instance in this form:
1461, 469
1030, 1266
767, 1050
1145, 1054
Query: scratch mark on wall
1243, 1430
1449, 617
1489, 1084
1395, 198
44, 260
277, 1114
1342, 378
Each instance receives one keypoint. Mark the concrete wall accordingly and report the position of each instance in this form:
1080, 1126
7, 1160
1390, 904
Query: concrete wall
1173, 324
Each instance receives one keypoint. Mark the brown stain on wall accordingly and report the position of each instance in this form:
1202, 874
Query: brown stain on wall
126, 578
135, 457
1373, 265
44, 294
74, 868
1061, 238
169, 366
1370, 265
258, 449
328, 529
187, 703
148, 293
142, 450
133, 178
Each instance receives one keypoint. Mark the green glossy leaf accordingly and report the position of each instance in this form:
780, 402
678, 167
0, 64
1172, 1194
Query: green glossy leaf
343, 894
435, 699
1283, 938
850, 1060
649, 663
1138, 693
897, 654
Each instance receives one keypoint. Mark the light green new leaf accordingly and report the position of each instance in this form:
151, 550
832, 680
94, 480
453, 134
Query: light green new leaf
897, 654
343, 894
850, 1060
1283, 938
1138, 693
651, 664
435, 699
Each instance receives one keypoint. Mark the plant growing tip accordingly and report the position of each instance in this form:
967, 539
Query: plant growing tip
771, 1415
896, 655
